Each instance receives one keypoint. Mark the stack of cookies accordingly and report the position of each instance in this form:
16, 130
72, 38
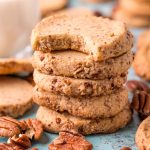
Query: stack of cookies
80, 66
134, 12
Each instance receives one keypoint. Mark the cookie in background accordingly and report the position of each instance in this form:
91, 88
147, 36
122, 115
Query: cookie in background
141, 62
134, 13
96, 1
49, 6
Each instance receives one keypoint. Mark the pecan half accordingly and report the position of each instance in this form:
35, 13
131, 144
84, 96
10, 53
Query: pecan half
126, 148
22, 140
134, 85
141, 102
35, 128
10, 127
4, 146
71, 141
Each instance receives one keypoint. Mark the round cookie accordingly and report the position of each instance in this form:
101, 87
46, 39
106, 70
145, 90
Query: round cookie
135, 6
141, 62
130, 20
143, 135
14, 65
49, 6
101, 38
95, 107
15, 96
78, 65
77, 11
78, 87
56, 122
143, 40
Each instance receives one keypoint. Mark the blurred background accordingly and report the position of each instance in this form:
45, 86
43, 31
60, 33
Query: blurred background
18, 18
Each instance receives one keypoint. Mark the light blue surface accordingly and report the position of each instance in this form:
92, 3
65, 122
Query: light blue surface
124, 137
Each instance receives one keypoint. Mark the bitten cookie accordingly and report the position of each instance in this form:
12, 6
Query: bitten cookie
15, 96
143, 135
14, 65
141, 62
92, 107
78, 87
78, 65
56, 122
101, 38
49, 6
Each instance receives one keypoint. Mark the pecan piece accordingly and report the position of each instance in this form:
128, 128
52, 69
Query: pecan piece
141, 102
4, 146
22, 140
10, 127
126, 148
71, 141
134, 85
35, 128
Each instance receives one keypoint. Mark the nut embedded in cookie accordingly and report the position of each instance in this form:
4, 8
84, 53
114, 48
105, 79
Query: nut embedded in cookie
69, 140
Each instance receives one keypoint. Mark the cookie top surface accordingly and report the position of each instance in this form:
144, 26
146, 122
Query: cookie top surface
92, 35
143, 135
14, 91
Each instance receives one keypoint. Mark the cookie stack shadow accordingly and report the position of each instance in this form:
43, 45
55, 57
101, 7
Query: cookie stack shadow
79, 91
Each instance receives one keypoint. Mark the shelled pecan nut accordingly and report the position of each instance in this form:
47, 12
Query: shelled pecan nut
5, 146
68, 140
141, 102
35, 128
10, 127
134, 85
22, 140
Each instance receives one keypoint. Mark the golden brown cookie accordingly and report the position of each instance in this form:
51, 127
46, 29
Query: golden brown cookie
55, 122
143, 135
15, 96
14, 65
141, 62
136, 7
78, 65
101, 38
77, 11
90, 107
49, 6
78, 87
129, 19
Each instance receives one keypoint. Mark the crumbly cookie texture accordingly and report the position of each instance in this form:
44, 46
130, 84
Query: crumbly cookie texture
56, 122
141, 62
78, 87
100, 38
143, 135
129, 19
78, 65
15, 96
14, 65
49, 6
95, 107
